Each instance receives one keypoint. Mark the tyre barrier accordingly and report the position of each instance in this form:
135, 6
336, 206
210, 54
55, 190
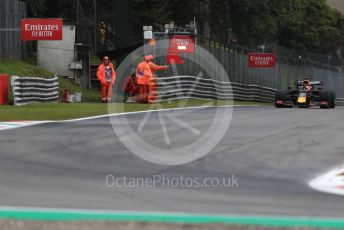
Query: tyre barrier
182, 87
27, 90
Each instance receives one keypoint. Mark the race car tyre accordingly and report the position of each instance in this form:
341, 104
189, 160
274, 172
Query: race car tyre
280, 95
325, 96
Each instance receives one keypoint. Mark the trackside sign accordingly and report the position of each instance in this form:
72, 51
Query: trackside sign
182, 43
34, 29
261, 60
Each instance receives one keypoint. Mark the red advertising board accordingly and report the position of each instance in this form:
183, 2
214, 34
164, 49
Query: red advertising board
261, 60
34, 29
182, 43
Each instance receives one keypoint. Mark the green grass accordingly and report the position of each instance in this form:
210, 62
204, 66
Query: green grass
65, 111
20, 68
87, 95
51, 111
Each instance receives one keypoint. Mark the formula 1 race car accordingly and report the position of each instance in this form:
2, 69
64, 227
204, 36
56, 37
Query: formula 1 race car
307, 94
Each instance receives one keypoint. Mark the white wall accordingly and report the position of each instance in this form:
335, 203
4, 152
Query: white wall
56, 56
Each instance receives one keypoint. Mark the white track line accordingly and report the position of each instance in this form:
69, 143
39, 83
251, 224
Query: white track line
155, 110
331, 182
20, 124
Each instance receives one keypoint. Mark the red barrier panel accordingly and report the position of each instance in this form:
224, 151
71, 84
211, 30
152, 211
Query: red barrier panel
3, 89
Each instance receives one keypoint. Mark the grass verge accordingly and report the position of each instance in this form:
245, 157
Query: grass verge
63, 111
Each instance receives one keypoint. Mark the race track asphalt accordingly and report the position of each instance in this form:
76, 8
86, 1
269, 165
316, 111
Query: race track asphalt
273, 153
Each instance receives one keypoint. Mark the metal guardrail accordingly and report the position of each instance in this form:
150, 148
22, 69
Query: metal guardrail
178, 87
340, 101
28, 90
181, 87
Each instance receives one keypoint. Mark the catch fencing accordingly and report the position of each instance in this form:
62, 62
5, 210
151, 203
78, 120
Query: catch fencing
290, 66
28, 90
11, 12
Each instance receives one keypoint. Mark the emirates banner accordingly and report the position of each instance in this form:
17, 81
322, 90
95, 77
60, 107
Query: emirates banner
182, 43
34, 29
261, 60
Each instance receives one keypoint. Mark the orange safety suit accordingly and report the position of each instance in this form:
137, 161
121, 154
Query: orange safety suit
106, 83
147, 82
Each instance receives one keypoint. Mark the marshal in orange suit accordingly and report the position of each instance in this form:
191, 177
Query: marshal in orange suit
106, 74
146, 79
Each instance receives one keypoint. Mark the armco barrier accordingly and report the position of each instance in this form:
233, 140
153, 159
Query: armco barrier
180, 87
28, 90
340, 101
